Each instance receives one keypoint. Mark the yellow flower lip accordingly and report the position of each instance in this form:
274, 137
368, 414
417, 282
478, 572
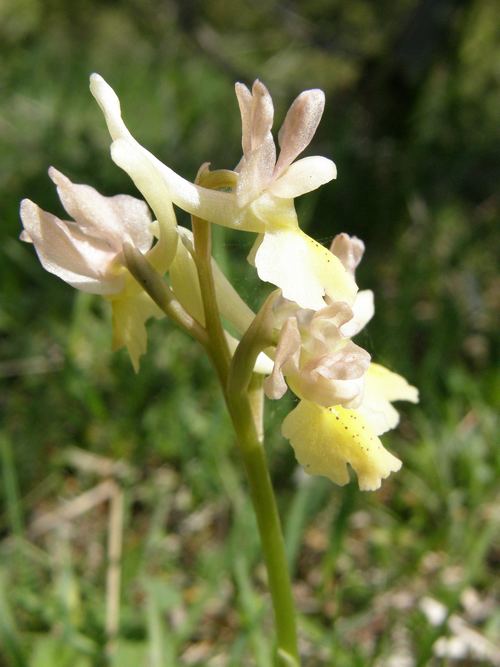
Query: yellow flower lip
326, 440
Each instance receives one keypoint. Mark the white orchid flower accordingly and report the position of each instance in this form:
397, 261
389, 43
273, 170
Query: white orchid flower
262, 200
86, 252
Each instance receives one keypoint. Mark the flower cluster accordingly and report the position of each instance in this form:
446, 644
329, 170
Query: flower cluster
345, 400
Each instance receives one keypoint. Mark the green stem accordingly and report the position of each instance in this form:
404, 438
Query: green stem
213, 325
268, 521
241, 392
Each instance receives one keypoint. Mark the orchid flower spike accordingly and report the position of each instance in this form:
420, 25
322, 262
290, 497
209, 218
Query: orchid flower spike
262, 199
86, 252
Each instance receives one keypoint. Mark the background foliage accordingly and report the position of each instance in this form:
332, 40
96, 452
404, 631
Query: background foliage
413, 93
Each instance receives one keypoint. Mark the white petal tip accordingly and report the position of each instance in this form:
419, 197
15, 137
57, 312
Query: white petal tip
24, 236
58, 177
108, 100
27, 206
315, 95
97, 83
98, 86
413, 395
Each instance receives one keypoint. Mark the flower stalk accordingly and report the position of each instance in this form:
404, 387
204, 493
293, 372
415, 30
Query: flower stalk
243, 394
271, 535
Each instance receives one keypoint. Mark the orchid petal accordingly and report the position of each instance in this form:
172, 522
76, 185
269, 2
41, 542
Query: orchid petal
140, 166
244, 97
383, 386
299, 126
113, 219
256, 172
108, 100
162, 253
325, 440
262, 114
303, 269
349, 249
82, 261
130, 311
287, 351
148, 181
303, 176
393, 386
336, 378
324, 326
363, 310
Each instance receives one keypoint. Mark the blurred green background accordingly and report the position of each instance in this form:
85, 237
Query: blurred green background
398, 578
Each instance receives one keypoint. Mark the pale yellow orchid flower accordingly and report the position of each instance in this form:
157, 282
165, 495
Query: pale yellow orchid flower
346, 400
86, 252
262, 200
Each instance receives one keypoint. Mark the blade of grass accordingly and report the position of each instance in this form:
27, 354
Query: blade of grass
12, 498
251, 608
9, 637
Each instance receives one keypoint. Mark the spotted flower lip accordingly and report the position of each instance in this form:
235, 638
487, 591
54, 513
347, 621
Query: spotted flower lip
85, 252
261, 201
328, 439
